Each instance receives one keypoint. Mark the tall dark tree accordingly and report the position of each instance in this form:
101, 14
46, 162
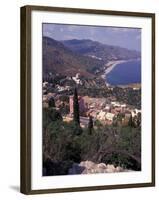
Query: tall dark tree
139, 119
51, 102
90, 125
76, 107
130, 123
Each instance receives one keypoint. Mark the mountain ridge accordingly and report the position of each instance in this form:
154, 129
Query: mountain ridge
105, 52
86, 57
57, 58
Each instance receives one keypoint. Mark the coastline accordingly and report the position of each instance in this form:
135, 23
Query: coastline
110, 66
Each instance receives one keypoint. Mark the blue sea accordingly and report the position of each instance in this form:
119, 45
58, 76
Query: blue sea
125, 73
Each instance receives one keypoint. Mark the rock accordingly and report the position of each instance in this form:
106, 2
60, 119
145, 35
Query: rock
102, 165
110, 169
89, 167
119, 169
87, 164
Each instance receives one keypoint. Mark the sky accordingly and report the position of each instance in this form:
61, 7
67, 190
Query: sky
129, 38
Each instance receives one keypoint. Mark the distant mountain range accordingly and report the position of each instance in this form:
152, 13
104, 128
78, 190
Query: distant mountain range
58, 58
80, 56
100, 51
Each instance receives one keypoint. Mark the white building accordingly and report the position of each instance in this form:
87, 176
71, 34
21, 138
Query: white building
45, 84
110, 116
102, 115
77, 79
115, 104
135, 112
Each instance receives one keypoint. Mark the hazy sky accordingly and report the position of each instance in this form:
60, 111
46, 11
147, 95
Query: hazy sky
124, 37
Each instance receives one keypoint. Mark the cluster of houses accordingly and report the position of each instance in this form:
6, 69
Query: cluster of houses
77, 79
106, 110
102, 111
98, 108
58, 87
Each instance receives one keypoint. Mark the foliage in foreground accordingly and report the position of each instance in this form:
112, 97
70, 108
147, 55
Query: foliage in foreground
67, 143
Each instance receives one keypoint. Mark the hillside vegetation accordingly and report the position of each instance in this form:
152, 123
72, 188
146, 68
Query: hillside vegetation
80, 56
66, 143
100, 51
59, 59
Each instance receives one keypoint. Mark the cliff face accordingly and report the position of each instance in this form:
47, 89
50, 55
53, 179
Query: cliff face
89, 167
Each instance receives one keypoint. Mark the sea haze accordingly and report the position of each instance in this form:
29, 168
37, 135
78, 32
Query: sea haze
125, 73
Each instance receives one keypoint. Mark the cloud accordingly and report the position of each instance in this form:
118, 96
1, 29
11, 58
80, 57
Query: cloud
118, 36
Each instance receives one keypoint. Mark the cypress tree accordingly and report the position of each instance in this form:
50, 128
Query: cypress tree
76, 107
139, 119
90, 125
51, 102
130, 123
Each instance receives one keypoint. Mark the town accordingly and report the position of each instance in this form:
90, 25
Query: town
111, 108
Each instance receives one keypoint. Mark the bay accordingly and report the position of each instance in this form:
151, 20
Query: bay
125, 73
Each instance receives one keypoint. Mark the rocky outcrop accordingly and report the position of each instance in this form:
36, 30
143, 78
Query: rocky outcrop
89, 167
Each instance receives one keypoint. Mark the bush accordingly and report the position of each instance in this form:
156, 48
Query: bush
49, 115
64, 98
63, 147
51, 102
67, 143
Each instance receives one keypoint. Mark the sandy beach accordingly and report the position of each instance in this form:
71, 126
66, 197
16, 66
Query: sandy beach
110, 66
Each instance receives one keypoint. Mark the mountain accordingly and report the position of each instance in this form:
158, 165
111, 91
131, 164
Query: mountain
100, 51
86, 57
57, 58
